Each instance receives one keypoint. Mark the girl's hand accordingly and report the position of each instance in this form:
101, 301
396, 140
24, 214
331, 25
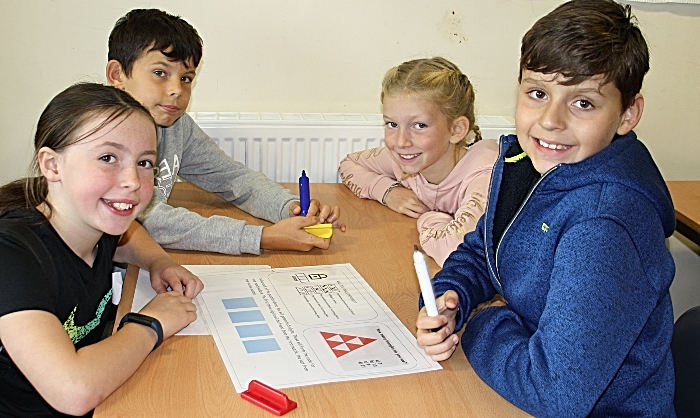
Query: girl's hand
403, 200
166, 273
173, 309
289, 234
436, 333
325, 213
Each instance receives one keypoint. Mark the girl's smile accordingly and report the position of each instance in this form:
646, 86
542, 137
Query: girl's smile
419, 136
102, 182
408, 157
120, 208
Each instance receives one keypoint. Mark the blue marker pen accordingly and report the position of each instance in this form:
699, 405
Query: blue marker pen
304, 195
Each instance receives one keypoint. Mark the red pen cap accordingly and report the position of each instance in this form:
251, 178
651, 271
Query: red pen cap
268, 398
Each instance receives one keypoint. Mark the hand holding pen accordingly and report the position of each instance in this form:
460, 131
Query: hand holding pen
436, 321
291, 233
312, 207
436, 334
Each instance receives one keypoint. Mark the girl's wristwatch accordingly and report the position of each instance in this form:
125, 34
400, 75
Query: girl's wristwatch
146, 320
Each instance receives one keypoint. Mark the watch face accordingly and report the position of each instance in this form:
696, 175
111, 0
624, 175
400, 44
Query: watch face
141, 319
137, 318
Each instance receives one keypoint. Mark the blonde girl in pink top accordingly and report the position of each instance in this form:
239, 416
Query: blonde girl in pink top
434, 166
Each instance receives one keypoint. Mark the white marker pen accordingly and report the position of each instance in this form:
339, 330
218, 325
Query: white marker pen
426, 286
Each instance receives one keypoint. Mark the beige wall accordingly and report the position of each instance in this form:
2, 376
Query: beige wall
329, 56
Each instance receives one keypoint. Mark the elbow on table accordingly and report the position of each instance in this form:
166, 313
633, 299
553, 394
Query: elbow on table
77, 398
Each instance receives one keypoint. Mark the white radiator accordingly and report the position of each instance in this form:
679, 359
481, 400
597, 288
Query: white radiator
280, 145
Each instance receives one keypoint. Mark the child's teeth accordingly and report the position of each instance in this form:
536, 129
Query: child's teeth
122, 206
552, 146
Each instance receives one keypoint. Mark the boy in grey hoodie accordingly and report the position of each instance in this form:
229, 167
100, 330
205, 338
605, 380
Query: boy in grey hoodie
153, 56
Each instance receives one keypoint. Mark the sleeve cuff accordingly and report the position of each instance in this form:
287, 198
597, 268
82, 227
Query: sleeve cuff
381, 187
250, 239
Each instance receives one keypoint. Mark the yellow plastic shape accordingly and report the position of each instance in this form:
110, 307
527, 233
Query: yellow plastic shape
320, 230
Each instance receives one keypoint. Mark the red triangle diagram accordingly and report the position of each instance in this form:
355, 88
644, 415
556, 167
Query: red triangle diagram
341, 344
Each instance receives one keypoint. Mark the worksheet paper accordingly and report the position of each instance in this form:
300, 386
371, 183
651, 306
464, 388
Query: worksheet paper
144, 293
303, 326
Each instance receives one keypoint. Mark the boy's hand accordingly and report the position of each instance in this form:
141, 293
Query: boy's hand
404, 200
436, 333
289, 234
325, 213
167, 273
172, 309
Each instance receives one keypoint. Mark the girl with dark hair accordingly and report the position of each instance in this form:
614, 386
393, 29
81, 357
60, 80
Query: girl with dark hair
60, 230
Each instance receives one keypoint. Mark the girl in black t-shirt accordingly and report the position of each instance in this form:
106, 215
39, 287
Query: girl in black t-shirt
93, 174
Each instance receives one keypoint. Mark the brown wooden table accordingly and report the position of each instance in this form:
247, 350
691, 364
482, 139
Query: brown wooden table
686, 200
186, 377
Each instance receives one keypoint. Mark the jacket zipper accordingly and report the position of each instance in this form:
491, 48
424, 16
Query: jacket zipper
498, 246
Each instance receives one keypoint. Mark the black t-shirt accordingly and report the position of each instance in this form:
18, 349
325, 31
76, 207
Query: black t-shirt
83, 303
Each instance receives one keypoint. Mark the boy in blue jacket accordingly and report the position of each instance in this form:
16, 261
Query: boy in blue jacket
573, 237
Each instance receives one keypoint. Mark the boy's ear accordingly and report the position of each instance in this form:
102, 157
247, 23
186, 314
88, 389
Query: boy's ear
460, 129
115, 74
48, 164
631, 115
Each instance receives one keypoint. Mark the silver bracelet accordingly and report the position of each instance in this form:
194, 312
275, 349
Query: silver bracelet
386, 193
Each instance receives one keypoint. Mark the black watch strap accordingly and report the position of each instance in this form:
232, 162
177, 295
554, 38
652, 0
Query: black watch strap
146, 320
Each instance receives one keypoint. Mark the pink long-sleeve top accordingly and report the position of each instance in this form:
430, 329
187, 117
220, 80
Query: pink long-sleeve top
456, 203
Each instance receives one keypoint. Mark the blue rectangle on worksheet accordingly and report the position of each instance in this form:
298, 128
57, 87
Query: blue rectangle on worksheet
246, 316
257, 330
239, 303
261, 346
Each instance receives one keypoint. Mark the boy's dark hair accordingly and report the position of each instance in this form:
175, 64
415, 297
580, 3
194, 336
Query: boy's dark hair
144, 30
584, 38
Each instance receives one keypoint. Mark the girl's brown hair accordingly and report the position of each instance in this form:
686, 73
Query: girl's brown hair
57, 129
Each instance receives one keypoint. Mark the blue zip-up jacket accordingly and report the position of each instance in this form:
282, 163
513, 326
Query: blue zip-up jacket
586, 272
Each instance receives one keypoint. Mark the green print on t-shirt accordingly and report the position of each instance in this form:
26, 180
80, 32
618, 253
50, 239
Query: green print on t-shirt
78, 332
